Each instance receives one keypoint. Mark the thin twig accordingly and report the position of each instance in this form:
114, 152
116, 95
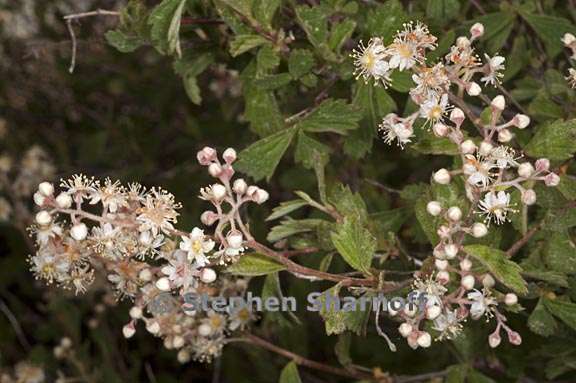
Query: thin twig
383, 187
15, 325
522, 241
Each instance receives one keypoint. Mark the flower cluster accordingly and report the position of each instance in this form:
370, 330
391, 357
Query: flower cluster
24, 372
133, 241
569, 41
489, 167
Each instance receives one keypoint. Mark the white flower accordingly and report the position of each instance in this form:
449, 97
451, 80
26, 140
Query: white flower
197, 245
239, 318
111, 195
482, 303
434, 109
492, 70
180, 272
478, 170
370, 61
409, 44
448, 325
496, 206
504, 157
393, 128
217, 322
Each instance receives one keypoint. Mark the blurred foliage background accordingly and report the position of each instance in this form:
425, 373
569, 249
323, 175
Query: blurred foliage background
142, 116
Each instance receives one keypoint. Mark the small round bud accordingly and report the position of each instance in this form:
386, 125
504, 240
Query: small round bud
498, 103
46, 189
529, 197
145, 238
433, 312
488, 281
505, 135
465, 264
208, 218
208, 275
468, 147
451, 250
424, 340
477, 30
204, 329
206, 156
443, 231
454, 214
568, 39
145, 275
405, 329
473, 89
215, 170
63, 201
514, 338
153, 327
79, 231
219, 191
39, 198
462, 42
485, 148
163, 284
494, 340
443, 277
239, 186
441, 264
128, 330
260, 196
467, 282
438, 252
229, 155
43, 218
178, 341
440, 129
479, 230
511, 299
66, 342
434, 208
183, 356
235, 239
136, 312
552, 179
442, 177
521, 121
525, 170
542, 165
457, 116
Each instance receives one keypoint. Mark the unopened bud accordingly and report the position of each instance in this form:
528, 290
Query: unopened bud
229, 155
477, 30
454, 214
204, 329
79, 231
441, 264
465, 264
39, 198
43, 218
206, 156
405, 329
153, 327
468, 147
145, 275
183, 356
234, 239
219, 191
64, 201
529, 197
46, 189
215, 170
494, 340
457, 116
467, 282
451, 250
443, 277
511, 299
442, 177
434, 208
552, 179
208, 275
473, 89
521, 121
424, 340
485, 148
479, 230
498, 103
163, 284
433, 312
568, 39
525, 170
542, 165
440, 129
505, 135
128, 330
135, 312
488, 281
514, 338
239, 186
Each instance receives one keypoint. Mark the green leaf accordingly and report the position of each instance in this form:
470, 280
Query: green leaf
555, 141
165, 26
288, 227
267, 58
285, 208
567, 186
262, 111
189, 69
340, 34
313, 21
401, 81
331, 116
565, 311
337, 319
342, 349
497, 263
310, 152
560, 252
550, 30
260, 159
264, 11
442, 10
300, 62
540, 321
355, 243
273, 81
243, 43
133, 30
123, 42
290, 374
347, 203
254, 264
385, 19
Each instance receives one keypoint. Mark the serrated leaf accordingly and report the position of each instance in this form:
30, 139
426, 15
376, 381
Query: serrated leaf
313, 21
385, 19
123, 42
555, 141
274, 81
290, 374
264, 11
288, 227
355, 243
347, 202
563, 310
165, 26
267, 58
496, 261
260, 159
340, 34
189, 68
550, 30
442, 10
310, 152
336, 318
560, 252
300, 62
285, 208
254, 264
540, 321
243, 43
331, 116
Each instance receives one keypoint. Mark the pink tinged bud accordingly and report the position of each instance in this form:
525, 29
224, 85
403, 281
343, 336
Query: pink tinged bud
468, 147
433, 312
457, 116
568, 39
227, 172
488, 281
208, 275
477, 30
240, 186
215, 170
440, 129
494, 340
79, 231
46, 189
438, 252
485, 148
511, 299
43, 218
153, 327
443, 277
39, 199
514, 338
204, 329
529, 197
454, 214
219, 191
251, 190
442, 177
163, 284
412, 340
467, 282
64, 201
505, 135
229, 155
498, 103
434, 208
145, 275
260, 196
525, 170
405, 329
128, 330
542, 165
451, 250
479, 230
465, 265
552, 179
441, 264
206, 156
424, 340
473, 89
208, 218
135, 312
521, 121
235, 239
443, 232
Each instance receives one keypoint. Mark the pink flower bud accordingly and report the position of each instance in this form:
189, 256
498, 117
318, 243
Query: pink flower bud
552, 179
440, 129
234, 239
477, 30
529, 197
229, 155
128, 330
494, 339
505, 135
227, 172
39, 199
521, 121
208, 218
260, 196
215, 170
206, 156
542, 165
457, 116
473, 89
443, 277
207, 275
514, 338
498, 103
